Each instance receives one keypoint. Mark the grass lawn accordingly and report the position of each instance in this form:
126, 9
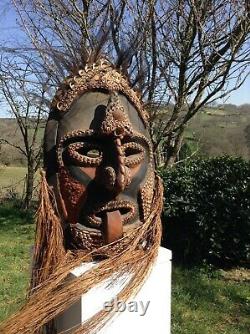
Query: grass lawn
16, 238
203, 302
209, 303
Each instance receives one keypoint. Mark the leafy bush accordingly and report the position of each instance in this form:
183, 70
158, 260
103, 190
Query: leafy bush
207, 211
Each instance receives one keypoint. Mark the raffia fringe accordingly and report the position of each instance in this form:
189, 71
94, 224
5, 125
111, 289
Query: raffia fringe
51, 294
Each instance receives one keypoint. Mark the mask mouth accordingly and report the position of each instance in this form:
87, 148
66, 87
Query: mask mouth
127, 211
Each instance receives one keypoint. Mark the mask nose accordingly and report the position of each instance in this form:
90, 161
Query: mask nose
116, 179
109, 178
115, 175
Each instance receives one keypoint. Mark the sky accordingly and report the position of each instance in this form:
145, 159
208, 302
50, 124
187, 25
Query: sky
9, 31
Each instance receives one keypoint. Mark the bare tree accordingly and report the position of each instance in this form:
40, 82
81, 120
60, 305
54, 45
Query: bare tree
66, 34
24, 92
204, 49
181, 54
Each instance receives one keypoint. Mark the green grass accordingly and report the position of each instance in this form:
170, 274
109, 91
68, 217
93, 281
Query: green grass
203, 302
206, 303
16, 238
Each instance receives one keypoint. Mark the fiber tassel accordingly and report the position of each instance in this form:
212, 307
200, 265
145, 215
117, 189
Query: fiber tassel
49, 248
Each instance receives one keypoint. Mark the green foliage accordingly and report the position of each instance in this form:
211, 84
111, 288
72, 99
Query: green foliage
207, 211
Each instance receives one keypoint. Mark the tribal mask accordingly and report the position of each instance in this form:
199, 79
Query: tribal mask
98, 158
100, 199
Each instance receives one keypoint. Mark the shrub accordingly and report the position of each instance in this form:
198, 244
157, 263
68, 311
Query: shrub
207, 211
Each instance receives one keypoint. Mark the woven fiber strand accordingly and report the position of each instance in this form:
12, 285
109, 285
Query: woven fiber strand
51, 293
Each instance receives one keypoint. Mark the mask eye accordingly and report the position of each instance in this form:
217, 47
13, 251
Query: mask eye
85, 154
94, 153
134, 154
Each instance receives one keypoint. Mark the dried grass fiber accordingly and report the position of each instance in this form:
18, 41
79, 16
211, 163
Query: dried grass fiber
51, 294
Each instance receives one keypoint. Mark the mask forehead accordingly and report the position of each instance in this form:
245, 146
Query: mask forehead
88, 113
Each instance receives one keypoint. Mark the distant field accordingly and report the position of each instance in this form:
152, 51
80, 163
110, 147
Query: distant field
12, 179
9, 130
216, 132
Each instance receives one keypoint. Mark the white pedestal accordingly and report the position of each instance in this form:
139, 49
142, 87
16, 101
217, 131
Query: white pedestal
149, 312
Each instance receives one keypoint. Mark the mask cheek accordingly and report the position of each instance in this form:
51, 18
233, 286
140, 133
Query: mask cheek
73, 194
134, 170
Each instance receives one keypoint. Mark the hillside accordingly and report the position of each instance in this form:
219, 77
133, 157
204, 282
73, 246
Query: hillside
212, 132
9, 131
219, 131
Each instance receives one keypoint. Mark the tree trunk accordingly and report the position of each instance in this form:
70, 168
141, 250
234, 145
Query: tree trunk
159, 157
29, 186
173, 149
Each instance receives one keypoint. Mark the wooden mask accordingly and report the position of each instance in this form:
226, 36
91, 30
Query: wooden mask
98, 158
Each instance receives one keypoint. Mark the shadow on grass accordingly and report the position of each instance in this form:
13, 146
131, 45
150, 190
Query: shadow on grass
191, 287
11, 216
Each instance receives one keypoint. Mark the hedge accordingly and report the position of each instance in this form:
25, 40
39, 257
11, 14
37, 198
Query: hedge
207, 211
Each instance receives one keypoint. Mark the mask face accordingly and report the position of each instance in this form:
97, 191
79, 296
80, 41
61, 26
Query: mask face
104, 157
99, 163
